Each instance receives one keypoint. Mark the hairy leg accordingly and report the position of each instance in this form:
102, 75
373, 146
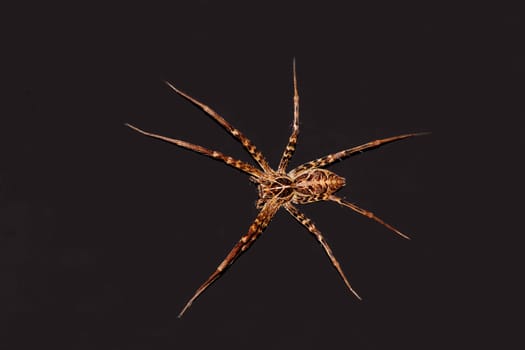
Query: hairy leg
256, 228
292, 141
303, 220
331, 158
240, 165
248, 145
366, 213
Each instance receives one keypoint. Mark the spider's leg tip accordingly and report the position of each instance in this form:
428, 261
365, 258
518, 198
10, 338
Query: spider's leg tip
181, 313
356, 295
403, 235
423, 133
133, 128
186, 307
171, 86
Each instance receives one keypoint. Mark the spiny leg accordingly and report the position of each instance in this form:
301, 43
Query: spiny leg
248, 145
303, 220
240, 165
366, 213
331, 158
292, 141
256, 228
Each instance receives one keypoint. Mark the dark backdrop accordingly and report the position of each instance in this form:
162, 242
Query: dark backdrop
105, 233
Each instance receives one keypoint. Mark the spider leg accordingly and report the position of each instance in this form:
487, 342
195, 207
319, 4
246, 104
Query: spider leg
303, 220
240, 165
248, 145
366, 213
331, 158
256, 228
292, 141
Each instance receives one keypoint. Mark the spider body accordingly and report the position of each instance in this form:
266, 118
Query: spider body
276, 186
307, 183
308, 186
315, 184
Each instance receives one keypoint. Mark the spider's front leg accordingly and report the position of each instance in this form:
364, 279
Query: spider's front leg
238, 164
292, 141
256, 228
236, 133
303, 220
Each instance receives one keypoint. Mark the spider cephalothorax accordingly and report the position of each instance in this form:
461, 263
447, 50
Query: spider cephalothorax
306, 183
279, 186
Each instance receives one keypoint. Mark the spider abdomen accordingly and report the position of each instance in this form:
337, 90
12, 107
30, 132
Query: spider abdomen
315, 184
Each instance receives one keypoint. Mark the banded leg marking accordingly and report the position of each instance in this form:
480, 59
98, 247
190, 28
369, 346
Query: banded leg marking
256, 229
331, 158
306, 222
248, 145
366, 213
292, 141
238, 164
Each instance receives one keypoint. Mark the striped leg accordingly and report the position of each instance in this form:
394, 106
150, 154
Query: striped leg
366, 213
331, 158
292, 141
303, 220
240, 165
248, 145
256, 228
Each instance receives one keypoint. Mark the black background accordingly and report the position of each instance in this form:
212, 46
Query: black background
105, 233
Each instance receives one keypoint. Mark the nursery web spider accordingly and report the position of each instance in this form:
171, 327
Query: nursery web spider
307, 183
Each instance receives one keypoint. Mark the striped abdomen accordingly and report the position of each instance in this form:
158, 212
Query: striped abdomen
315, 184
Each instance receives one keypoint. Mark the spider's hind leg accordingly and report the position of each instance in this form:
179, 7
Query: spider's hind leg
332, 158
366, 213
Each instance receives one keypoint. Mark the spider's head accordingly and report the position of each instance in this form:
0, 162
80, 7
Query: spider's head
274, 187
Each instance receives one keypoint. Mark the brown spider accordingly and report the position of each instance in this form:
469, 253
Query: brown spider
307, 183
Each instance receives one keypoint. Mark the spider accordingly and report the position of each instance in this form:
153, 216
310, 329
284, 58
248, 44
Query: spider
307, 183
